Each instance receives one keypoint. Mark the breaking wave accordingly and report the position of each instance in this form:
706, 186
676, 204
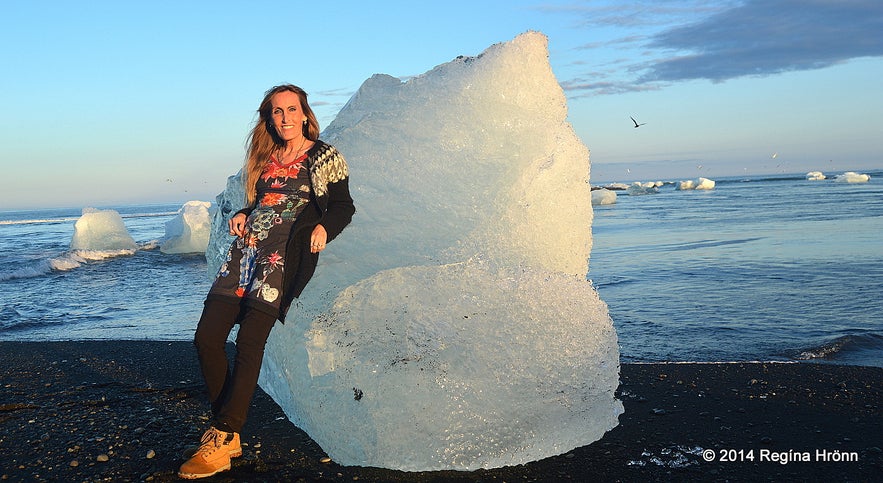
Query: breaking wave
70, 260
844, 349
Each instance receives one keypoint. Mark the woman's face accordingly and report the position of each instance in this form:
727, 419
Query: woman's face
288, 117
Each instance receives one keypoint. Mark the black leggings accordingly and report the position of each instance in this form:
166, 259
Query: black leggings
230, 393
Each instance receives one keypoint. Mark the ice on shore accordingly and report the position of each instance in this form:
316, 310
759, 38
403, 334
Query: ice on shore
696, 184
101, 231
189, 230
815, 176
451, 326
852, 177
603, 196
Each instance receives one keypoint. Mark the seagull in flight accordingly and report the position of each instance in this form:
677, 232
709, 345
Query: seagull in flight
636, 122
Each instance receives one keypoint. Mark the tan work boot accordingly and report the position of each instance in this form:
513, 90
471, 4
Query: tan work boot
212, 457
234, 446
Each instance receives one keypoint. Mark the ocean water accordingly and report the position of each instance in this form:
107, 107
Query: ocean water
760, 268
48, 292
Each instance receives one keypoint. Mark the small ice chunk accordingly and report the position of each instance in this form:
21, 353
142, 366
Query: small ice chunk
189, 231
696, 184
101, 231
852, 177
705, 184
638, 188
603, 196
617, 186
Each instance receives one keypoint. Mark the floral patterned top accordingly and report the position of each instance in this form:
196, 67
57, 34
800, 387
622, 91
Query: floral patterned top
255, 262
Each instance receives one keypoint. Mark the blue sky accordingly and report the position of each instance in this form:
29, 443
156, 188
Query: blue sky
115, 103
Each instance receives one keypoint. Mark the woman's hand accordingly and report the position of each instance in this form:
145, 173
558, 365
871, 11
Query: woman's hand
237, 225
318, 239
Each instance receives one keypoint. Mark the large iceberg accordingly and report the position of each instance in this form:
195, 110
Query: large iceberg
188, 231
451, 326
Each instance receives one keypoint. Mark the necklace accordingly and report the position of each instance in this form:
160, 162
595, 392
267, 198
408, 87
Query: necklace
296, 153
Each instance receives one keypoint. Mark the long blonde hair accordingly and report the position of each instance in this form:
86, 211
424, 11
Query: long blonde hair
264, 139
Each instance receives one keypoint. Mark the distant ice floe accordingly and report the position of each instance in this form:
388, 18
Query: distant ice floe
852, 177
617, 186
189, 231
696, 184
815, 176
603, 196
648, 188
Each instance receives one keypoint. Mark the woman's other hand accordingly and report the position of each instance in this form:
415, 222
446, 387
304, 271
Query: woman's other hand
237, 225
318, 239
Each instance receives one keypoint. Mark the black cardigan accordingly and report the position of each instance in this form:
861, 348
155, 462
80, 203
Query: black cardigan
330, 205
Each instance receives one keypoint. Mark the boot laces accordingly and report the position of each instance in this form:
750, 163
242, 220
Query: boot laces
212, 440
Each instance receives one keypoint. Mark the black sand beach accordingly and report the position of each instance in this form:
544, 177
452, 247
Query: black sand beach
124, 411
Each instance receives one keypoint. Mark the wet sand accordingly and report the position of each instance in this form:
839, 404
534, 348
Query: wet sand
125, 410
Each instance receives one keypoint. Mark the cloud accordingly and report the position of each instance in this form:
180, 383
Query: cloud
578, 88
635, 14
619, 43
340, 91
614, 36
762, 37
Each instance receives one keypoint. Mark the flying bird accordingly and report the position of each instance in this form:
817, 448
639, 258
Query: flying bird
636, 122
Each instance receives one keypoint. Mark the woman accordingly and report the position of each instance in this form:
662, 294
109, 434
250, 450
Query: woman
298, 200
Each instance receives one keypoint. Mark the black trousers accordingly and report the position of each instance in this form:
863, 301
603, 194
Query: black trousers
231, 391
